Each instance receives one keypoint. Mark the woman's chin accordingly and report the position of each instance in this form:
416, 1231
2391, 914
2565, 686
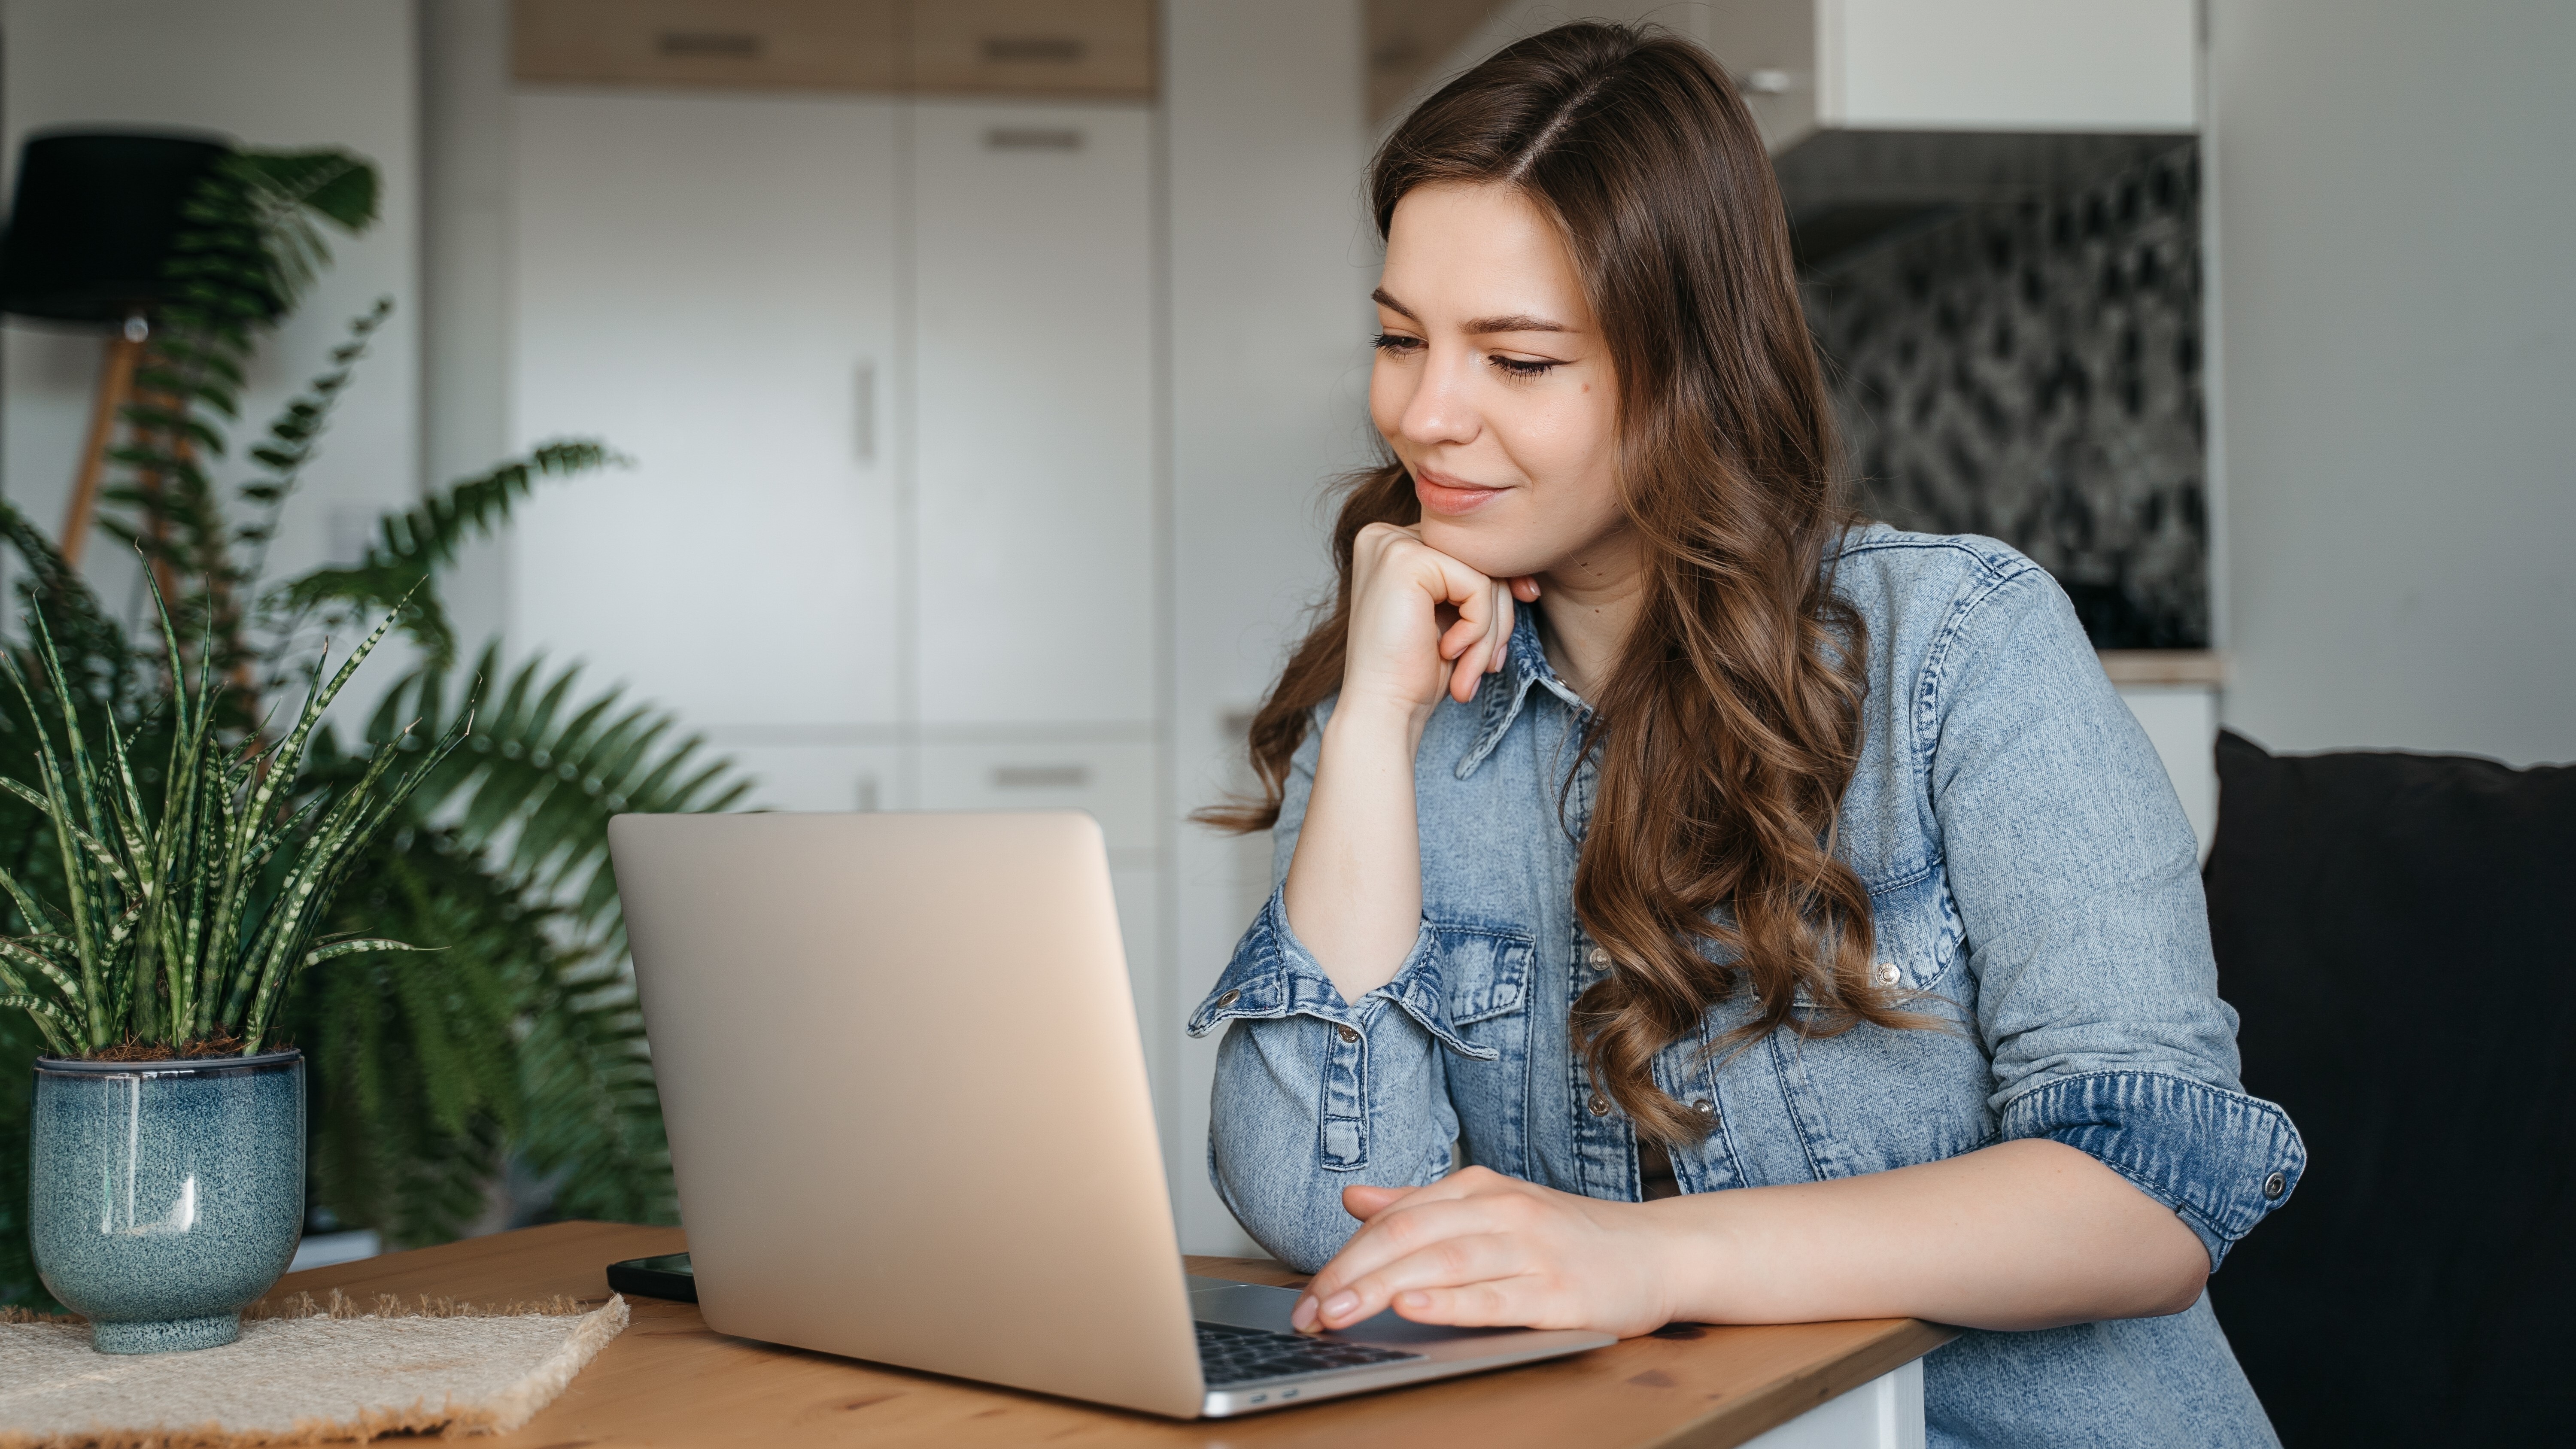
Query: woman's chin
1480, 549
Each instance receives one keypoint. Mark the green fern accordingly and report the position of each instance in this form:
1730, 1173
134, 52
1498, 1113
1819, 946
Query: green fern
519, 1042
413, 544
250, 244
545, 769
413, 1108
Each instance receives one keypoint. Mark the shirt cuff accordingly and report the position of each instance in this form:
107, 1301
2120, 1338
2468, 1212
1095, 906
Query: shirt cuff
2220, 1159
1273, 976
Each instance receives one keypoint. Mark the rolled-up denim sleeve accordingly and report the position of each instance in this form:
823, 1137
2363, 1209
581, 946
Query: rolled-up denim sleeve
2076, 878
1313, 1093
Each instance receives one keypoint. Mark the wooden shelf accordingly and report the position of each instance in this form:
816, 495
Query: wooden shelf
2171, 668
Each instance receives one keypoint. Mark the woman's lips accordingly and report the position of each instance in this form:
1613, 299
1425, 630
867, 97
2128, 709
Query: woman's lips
1442, 494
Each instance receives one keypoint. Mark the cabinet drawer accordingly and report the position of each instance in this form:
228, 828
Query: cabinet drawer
1114, 780
819, 777
1080, 48
1099, 48
754, 44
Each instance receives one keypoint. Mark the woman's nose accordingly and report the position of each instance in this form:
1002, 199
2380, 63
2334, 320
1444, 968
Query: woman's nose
1440, 410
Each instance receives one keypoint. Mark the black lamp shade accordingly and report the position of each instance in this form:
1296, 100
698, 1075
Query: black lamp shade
93, 221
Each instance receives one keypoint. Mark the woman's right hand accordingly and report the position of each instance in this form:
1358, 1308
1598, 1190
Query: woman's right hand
1421, 623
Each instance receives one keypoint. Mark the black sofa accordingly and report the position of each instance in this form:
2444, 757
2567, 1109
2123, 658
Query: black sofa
2399, 934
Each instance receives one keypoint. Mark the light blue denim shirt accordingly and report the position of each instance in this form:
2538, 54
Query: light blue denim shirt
2031, 875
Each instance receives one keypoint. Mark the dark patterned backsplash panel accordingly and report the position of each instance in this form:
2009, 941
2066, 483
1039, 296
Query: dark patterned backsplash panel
2033, 373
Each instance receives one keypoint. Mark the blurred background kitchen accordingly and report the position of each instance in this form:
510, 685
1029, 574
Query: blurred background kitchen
982, 362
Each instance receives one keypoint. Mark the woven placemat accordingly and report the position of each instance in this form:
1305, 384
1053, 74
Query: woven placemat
304, 1372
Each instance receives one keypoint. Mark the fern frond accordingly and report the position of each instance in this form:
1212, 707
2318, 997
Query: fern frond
546, 768
413, 543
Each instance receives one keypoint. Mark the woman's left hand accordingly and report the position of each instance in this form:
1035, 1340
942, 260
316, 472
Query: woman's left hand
1484, 1250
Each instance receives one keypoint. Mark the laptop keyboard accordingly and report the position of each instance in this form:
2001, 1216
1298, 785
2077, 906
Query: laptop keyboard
1229, 1355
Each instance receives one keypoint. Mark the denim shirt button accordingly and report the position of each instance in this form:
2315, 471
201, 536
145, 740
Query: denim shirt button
2275, 1185
1228, 999
1888, 975
1600, 1105
1597, 958
1347, 1033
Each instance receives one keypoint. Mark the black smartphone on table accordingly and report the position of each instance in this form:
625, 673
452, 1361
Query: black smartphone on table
667, 1276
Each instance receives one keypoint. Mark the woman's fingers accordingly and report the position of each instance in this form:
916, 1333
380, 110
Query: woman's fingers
1469, 1305
1421, 1221
1490, 647
1447, 1263
1364, 1202
1394, 576
1480, 638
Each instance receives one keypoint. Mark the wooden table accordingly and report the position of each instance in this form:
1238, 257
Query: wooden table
670, 1380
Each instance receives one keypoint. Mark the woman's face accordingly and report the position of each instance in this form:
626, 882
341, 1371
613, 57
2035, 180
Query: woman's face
1493, 386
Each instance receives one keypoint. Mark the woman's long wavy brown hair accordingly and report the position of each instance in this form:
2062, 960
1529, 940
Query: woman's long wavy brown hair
1730, 726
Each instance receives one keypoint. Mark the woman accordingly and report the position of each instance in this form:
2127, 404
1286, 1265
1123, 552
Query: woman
1783, 916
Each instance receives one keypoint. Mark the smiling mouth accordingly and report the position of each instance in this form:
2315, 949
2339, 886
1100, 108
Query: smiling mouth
1441, 494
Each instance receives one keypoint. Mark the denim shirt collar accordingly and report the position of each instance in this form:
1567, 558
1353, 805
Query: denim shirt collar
1501, 694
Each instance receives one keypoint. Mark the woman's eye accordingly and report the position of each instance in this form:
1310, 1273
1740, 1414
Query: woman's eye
1520, 367
1395, 342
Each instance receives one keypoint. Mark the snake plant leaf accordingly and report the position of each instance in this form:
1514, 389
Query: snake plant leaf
338, 949
38, 915
84, 908
61, 1033
521, 1036
26, 957
90, 845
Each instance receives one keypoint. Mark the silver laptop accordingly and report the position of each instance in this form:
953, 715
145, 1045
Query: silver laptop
908, 1115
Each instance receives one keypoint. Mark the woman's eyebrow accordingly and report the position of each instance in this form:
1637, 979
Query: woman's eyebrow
1517, 322
1482, 326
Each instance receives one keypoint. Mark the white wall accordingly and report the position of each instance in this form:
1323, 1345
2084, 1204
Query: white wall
464, 278
2007, 65
282, 73
1270, 264
2398, 351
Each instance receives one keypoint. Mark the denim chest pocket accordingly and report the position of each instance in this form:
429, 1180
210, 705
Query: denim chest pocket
1871, 1100
1484, 973
1917, 930
1485, 989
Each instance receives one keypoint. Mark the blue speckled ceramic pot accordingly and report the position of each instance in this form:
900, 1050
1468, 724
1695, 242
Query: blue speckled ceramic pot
165, 1197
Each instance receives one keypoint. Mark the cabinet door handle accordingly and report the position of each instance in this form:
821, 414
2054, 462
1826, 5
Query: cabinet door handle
1041, 777
1058, 49
1033, 138
709, 44
863, 426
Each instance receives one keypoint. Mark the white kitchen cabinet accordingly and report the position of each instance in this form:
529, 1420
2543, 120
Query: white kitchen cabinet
2128, 66
802, 775
1034, 383
886, 371
1111, 780
710, 283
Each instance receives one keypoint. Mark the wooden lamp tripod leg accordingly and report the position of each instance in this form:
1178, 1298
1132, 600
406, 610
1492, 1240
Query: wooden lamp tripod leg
115, 386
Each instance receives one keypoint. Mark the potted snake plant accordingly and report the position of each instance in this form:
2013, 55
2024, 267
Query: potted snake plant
167, 1152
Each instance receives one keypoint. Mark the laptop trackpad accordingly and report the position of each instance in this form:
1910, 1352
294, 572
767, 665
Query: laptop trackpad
1255, 1305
